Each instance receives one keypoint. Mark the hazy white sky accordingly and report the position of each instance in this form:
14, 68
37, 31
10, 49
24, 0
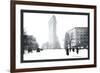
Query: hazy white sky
36, 24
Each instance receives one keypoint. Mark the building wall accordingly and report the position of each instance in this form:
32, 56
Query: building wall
79, 36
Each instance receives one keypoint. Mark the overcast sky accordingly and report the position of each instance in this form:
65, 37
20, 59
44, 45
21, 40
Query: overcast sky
36, 24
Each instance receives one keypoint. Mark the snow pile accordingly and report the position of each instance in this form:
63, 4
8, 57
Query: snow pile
55, 54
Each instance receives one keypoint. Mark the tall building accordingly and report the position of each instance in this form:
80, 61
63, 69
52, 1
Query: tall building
79, 37
53, 40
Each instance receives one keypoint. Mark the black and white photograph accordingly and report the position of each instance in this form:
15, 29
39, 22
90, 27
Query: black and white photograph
51, 35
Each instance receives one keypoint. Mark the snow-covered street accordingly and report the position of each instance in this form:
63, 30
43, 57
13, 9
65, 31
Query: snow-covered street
54, 54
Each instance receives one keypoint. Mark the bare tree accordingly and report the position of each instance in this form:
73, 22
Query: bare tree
29, 43
67, 43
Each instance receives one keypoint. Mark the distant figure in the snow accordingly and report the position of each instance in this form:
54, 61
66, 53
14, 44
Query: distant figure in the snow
37, 47
29, 50
78, 45
77, 50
